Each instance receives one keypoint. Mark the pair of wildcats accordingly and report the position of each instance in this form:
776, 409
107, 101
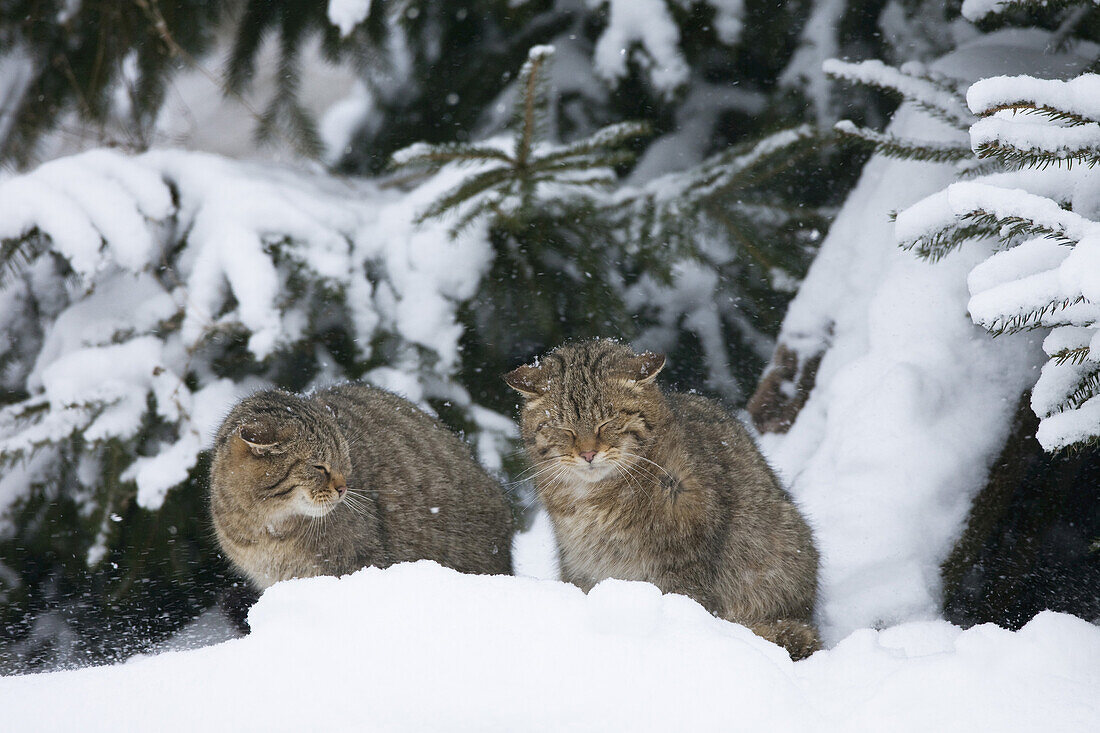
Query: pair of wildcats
640, 484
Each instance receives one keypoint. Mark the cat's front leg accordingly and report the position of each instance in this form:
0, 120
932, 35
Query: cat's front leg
584, 581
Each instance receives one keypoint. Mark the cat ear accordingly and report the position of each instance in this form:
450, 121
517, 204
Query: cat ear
527, 380
261, 438
646, 366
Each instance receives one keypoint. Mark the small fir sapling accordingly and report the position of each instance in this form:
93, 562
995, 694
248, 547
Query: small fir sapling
571, 245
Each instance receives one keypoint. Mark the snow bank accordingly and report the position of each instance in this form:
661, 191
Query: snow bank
912, 399
417, 647
346, 14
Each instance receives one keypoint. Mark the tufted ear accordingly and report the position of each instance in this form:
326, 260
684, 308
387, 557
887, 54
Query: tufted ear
262, 438
646, 366
527, 380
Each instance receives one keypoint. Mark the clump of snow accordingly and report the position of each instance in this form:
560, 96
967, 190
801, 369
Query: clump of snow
346, 14
925, 93
535, 552
343, 120
642, 31
418, 647
1080, 95
728, 19
818, 44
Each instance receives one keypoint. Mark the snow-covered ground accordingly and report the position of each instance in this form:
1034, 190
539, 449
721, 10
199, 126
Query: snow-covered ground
418, 647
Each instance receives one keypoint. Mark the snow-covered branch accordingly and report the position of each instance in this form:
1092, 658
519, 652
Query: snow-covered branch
162, 286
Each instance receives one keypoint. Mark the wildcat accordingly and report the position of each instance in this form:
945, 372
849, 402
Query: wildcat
347, 477
668, 488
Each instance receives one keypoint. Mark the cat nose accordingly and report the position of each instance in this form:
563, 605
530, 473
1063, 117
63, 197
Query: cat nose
588, 455
341, 488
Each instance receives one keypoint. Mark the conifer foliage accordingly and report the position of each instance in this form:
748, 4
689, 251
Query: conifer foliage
142, 296
1026, 182
570, 243
58, 57
143, 290
510, 185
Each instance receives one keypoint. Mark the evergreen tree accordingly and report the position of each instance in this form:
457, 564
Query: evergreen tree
574, 258
106, 61
1020, 149
141, 297
572, 223
1025, 134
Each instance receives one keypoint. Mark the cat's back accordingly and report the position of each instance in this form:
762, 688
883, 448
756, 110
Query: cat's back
710, 426
398, 437
720, 446
435, 500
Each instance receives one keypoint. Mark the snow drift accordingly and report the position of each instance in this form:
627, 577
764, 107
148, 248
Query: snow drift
418, 647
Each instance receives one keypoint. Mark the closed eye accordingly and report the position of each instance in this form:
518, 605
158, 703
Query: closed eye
321, 467
544, 425
604, 424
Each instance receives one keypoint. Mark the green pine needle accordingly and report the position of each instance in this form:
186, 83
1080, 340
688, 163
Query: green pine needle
509, 184
1015, 158
1038, 318
1065, 117
905, 149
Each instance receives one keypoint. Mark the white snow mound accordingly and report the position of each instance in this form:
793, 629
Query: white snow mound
417, 647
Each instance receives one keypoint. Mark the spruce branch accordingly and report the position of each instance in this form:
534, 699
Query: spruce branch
1015, 158
513, 176
1086, 389
1066, 117
602, 147
490, 180
906, 149
724, 195
936, 245
436, 156
1037, 318
979, 224
1078, 356
17, 253
931, 93
533, 105
976, 11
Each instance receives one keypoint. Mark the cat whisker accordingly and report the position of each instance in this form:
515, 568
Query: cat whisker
523, 474
556, 476
630, 477
654, 463
358, 492
355, 506
532, 478
642, 471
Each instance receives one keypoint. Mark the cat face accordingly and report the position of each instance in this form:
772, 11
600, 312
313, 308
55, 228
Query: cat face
589, 411
283, 461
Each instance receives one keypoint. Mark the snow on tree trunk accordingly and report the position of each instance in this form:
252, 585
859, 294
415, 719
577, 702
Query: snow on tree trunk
912, 401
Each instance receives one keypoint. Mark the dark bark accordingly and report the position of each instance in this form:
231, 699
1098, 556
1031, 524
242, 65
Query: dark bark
1028, 541
783, 390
